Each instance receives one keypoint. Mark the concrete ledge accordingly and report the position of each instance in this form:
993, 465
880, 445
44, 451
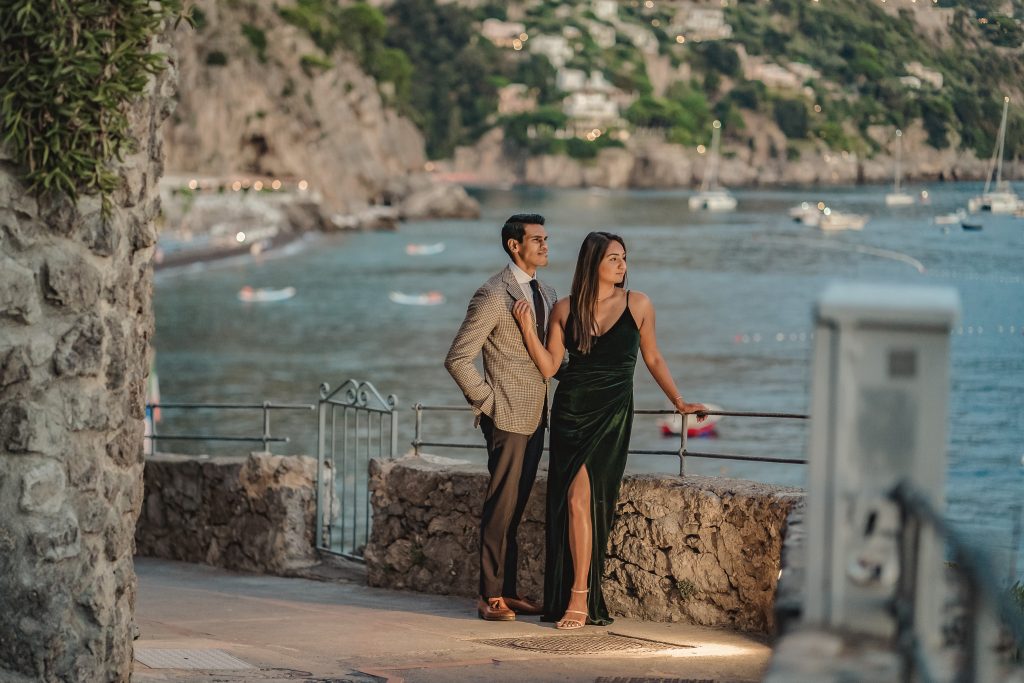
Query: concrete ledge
700, 550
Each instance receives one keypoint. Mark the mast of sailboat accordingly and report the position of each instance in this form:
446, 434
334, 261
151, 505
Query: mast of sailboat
710, 180
1000, 142
899, 150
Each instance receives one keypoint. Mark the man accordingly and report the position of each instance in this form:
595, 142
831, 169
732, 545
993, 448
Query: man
509, 400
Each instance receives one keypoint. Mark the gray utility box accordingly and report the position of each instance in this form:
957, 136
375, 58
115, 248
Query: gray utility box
879, 393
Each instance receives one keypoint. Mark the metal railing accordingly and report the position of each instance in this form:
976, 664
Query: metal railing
343, 497
989, 614
266, 438
682, 452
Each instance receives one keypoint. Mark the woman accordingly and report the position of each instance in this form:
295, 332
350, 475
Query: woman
603, 326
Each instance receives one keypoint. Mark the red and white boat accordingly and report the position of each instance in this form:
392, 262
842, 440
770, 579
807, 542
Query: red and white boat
672, 424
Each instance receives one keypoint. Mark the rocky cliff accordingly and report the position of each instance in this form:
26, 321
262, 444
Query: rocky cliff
653, 163
258, 98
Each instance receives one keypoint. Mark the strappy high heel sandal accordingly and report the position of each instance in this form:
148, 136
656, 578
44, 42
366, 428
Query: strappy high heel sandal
565, 624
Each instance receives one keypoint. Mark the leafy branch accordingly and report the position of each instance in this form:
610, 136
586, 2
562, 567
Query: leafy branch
69, 71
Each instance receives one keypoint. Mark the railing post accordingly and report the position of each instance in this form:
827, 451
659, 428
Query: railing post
394, 433
905, 607
418, 407
320, 454
682, 448
266, 426
982, 630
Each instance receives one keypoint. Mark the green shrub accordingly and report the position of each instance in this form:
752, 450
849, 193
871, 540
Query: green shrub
687, 589
791, 117
69, 72
311, 63
216, 58
258, 39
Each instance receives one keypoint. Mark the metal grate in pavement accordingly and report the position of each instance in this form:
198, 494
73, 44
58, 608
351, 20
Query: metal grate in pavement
189, 659
583, 644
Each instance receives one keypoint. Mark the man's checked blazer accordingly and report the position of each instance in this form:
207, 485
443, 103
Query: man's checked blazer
512, 389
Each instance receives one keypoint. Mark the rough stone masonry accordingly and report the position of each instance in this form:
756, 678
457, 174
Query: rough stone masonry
75, 325
701, 550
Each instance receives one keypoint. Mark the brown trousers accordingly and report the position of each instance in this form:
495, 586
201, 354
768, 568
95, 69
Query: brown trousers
512, 460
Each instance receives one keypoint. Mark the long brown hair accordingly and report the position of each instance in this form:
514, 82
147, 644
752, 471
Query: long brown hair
583, 297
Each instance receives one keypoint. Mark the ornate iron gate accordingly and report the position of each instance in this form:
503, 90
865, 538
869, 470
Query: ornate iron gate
356, 424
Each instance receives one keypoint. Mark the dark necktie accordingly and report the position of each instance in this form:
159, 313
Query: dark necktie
538, 310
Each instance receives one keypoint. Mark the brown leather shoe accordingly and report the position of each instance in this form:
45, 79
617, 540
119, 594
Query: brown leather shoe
494, 609
523, 606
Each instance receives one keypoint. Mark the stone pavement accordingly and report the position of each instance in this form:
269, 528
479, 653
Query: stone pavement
342, 631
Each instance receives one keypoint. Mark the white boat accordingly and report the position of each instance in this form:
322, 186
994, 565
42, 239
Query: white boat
672, 424
950, 218
1000, 197
898, 197
713, 200
807, 213
432, 298
265, 294
711, 196
424, 249
834, 221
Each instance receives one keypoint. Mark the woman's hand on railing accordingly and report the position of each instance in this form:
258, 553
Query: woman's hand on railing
698, 409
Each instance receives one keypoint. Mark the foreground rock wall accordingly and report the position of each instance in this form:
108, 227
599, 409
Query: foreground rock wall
253, 514
75, 323
700, 550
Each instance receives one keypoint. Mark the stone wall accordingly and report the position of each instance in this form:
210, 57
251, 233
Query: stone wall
75, 324
252, 514
699, 550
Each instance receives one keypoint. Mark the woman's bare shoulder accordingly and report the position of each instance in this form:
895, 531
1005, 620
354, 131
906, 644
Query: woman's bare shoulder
561, 306
639, 299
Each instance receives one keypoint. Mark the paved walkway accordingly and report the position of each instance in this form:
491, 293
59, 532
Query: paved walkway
334, 632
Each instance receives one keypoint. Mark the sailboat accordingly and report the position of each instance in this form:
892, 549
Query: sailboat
1001, 198
897, 197
713, 197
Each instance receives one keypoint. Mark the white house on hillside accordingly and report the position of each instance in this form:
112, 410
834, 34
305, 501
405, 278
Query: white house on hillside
606, 9
570, 80
555, 48
591, 108
603, 34
502, 33
700, 23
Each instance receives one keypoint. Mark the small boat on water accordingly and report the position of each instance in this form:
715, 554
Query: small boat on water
898, 197
971, 224
431, 298
950, 218
807, 213
265, 294
672, 424
424, 249
834, 221
712, 196
997, 197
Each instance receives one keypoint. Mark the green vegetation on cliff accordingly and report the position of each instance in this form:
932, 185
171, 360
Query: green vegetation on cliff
68, 74
853, 67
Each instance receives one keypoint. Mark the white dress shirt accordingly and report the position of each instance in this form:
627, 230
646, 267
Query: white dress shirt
523, 278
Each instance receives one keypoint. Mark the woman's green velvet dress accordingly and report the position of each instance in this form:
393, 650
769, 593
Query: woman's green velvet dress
591, 419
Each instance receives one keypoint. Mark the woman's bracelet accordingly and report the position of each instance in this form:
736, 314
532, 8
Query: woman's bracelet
677, 398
